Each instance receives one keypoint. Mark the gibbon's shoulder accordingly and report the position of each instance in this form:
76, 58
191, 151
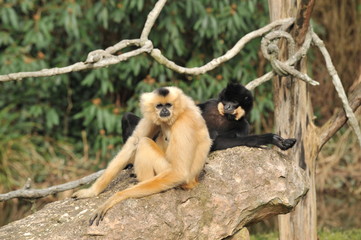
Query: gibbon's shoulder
208, 105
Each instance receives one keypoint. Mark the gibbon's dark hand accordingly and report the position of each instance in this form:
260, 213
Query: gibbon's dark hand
283, 144
288, 143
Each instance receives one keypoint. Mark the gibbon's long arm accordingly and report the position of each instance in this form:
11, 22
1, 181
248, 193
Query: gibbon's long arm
183, 137
189, 147
145, 128
224, 142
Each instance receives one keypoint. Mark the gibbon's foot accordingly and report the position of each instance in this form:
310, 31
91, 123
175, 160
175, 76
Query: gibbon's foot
83, 193
99, 214
283, 144
190, 185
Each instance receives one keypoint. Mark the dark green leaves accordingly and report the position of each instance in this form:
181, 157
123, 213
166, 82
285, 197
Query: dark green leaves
43, 34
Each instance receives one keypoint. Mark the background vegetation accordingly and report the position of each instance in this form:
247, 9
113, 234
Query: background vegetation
60, 128
85, 108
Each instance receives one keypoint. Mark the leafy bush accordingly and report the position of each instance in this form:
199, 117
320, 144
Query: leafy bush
38, 34
24, 155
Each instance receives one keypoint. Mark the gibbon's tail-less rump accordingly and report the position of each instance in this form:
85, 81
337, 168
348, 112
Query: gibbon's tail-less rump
168, 147
226, 121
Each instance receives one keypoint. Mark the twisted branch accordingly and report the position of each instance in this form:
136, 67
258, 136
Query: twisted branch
270, 51
96, 59
157, 55
338, 86
152, 16
102, 58
283, 68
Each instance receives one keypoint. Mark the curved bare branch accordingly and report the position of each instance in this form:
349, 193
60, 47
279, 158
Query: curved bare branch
157, 55
38, 193
152, 16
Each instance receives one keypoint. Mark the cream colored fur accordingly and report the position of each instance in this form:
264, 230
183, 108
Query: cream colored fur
176, 158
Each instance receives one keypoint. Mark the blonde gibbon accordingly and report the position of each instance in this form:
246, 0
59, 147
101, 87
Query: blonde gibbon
175, 158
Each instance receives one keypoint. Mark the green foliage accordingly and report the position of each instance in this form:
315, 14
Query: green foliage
44, 34
23, 154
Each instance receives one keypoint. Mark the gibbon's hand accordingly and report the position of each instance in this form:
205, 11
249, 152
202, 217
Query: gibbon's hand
283, 144
288, 143
83, 193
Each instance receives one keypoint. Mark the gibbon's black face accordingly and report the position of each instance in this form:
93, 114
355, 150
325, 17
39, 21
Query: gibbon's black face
164, 110
236, 101
229, 107
163, 107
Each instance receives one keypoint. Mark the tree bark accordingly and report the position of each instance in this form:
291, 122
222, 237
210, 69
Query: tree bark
293, 118
238, 186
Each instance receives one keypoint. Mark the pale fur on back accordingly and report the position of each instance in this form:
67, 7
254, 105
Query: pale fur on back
182, 147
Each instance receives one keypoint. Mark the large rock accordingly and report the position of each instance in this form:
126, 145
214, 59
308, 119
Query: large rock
238, 186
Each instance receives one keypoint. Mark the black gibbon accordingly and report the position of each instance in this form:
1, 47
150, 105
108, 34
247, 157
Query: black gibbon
175, 158
226, 121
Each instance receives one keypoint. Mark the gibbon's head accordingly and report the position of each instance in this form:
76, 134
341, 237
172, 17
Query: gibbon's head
163, 105
235, 101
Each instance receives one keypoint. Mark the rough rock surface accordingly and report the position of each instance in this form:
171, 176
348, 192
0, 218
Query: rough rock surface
238, 186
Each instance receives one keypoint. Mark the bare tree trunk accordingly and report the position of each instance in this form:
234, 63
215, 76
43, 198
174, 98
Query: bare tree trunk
293, 118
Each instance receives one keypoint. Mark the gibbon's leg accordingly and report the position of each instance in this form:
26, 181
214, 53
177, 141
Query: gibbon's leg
124, 157
144, 128
163, 181
223, 142
149, 160
197, 165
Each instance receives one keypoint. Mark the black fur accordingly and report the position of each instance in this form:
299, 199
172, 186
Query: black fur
235, 92
163, 91
225, 131
129, 122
